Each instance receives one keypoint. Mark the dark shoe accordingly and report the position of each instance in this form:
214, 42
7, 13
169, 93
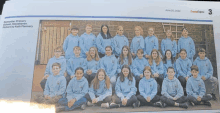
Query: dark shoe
213, 97
183, 105
113, 105
136, 104
164, 105
60, 108
208, 103
83, 106
158, 104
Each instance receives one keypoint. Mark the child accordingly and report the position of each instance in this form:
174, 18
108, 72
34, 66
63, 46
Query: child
74, 62
55, 87
57, 58
186, 42
91, 65
156, 65
76, 90
125, 58
70, 42
151, 42
87, 40
183, 65
125, 90
109, 64
195, 89
168, 61
148, 89
137, 41
103, 39
172, 91
119, 41
169, 43
206, 71
100, 92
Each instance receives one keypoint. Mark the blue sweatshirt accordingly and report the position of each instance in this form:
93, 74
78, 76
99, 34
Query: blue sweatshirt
157, 68
102, 92
137, 43
150, 44
91, 65
125, 89
125, 61
52, 60
172, 88
73, 63
118, 43
195, 87
167, 65
138, 66
109, 64
183, 67
55, 86
205, 67
102, 43
77, 88
69, 43
148, 87
169, 44
86, 42
188, 44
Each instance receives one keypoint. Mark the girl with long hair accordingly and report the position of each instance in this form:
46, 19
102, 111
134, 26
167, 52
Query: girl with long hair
168, 61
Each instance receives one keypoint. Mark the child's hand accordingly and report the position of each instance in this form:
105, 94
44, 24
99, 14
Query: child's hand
124, 101
174, 98
203, 78
186, 78
156, 75
94, 101
46, 76
148, 99
71, 102
198, 98
141, 75
88, 72
72, 76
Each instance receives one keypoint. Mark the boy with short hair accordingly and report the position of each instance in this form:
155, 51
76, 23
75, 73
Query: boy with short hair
55, 87
56, 59
195, 89
87, 40
206, 71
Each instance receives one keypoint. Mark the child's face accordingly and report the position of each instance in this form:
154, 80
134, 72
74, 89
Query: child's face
185, 33
88, 29
147, 73
154, 55
108, 51
57, 53
104, 29
92, 52
56, 70
137, 32
101, 76
151, 31
170, 74
168, 55
77, 52
183, 54
79, 74
201, 55
74, 32
125, 71
125, 51
120, 31
195, 73
140, 55
168, 33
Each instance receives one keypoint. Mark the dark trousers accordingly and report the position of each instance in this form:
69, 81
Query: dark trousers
205, 98
159, 82
89, 77
171, 102
137, 78
144, 101
43, 82
107, 99
101, 55
77, 104
182, 81
117, 100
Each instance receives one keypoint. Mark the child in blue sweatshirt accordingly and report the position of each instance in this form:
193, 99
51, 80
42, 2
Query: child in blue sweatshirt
151, 42
187, 43
70, 42
56, 59
148, 89
206, 71
137, 42
169, 43
195, 89
76, 91
168, 61
125, 90
86, 41
172, 91
183, 65
55, 87
100, 92
104, 39
91, 65
109, 64
119, 41
74, 62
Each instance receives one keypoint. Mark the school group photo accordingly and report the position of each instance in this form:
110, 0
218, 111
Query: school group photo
81, 64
